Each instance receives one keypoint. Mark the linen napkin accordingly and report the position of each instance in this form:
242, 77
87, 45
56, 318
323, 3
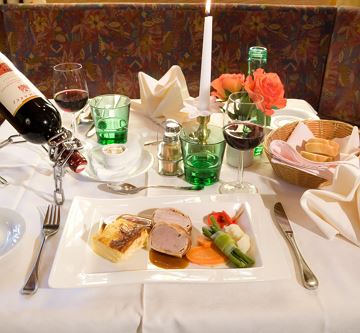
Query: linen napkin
286, 152
335, 209
162, 99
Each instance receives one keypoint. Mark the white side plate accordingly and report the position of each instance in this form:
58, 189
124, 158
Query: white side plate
12, 229
76, 265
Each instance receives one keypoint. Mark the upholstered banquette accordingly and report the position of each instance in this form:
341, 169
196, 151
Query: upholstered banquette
315, 50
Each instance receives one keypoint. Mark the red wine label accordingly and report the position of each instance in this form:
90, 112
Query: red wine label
15, 89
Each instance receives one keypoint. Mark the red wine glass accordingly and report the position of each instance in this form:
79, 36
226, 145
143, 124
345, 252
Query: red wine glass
70, 89
242, 133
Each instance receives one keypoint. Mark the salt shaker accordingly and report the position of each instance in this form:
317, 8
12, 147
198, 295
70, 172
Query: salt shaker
169, 150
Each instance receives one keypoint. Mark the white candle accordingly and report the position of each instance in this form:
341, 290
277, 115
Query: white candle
205, 76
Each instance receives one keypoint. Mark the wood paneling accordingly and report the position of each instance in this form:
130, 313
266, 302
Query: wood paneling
273, 2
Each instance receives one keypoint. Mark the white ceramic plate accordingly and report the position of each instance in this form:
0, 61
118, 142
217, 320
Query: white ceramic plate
76, 265
12, 229
288, 115
145, 163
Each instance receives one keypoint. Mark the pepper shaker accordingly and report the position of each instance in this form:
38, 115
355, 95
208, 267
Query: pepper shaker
169, 150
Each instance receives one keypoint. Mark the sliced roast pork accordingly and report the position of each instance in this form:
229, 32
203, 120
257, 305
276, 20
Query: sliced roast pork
172, 216
170, 239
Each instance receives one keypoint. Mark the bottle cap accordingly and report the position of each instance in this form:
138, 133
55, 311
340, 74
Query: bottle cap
172, 130
258, 52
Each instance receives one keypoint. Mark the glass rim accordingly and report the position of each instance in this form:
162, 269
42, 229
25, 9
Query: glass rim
184, 137
126, 101
67, 67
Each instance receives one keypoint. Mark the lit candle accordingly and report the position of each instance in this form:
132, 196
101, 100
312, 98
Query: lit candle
205, 76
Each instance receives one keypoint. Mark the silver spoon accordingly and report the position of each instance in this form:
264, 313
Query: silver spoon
127, 188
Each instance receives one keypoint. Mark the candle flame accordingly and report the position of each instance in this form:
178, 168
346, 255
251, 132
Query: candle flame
207, 7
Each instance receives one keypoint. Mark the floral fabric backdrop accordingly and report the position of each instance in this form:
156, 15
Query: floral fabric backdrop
116, 41
3, 44
341, 90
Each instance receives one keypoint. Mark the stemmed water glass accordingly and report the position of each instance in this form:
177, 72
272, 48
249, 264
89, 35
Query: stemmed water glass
242, 133
70, 89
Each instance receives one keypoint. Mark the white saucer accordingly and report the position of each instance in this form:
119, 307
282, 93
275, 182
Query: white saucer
288, 115
12, 229
145, 163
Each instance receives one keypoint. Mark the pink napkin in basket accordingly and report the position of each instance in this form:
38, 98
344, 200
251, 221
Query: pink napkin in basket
285, 152
336, 208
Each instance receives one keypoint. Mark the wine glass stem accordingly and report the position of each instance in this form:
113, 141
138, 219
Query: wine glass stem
74, 123
240, 172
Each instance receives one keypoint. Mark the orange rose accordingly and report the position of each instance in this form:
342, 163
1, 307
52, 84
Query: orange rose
270, 87
227, 84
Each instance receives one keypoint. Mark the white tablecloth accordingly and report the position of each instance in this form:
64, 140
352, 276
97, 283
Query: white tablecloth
259, 306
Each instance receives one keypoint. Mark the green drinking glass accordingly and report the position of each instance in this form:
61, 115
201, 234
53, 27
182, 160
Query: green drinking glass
202, 158
111, 118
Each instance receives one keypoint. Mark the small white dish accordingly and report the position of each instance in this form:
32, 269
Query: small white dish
12, 229
114, 154
77, 265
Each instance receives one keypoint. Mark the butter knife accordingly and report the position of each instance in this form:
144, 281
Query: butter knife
308, 278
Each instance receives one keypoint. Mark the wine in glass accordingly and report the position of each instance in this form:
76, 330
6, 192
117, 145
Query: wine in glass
70, 89
242, 134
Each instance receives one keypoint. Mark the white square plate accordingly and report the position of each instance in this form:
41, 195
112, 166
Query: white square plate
76, 265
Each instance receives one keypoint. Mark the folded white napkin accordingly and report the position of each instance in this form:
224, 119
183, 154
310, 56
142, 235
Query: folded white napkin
128, 163
163, 99
287, 152
336, 208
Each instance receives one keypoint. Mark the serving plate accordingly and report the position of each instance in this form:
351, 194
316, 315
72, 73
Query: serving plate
12, 229
76, 265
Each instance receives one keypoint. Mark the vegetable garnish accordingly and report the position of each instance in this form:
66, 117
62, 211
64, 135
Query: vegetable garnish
204, 241
227, 245
222, 218
205, 256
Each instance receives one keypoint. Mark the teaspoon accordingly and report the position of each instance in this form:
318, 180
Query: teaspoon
126, 188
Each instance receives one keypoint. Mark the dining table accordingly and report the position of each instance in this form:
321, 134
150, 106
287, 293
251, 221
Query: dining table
272, 301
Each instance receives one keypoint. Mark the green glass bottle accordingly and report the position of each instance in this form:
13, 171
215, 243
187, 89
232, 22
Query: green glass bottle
257, 58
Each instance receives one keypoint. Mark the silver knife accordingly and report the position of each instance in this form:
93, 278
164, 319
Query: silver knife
308, 278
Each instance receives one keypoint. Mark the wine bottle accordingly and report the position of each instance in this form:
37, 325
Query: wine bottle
257, 58
28, 110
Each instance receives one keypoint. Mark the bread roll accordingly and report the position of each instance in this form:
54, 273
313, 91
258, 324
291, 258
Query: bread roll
316, 157
322, 146
320, 150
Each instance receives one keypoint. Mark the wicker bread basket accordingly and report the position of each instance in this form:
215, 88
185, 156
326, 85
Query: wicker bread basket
326, 129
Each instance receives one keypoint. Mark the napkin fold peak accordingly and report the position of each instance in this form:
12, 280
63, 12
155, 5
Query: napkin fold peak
163, 99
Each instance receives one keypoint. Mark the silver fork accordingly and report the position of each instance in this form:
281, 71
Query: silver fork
50, 227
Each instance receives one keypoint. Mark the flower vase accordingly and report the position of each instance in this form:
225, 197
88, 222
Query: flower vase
203, 147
